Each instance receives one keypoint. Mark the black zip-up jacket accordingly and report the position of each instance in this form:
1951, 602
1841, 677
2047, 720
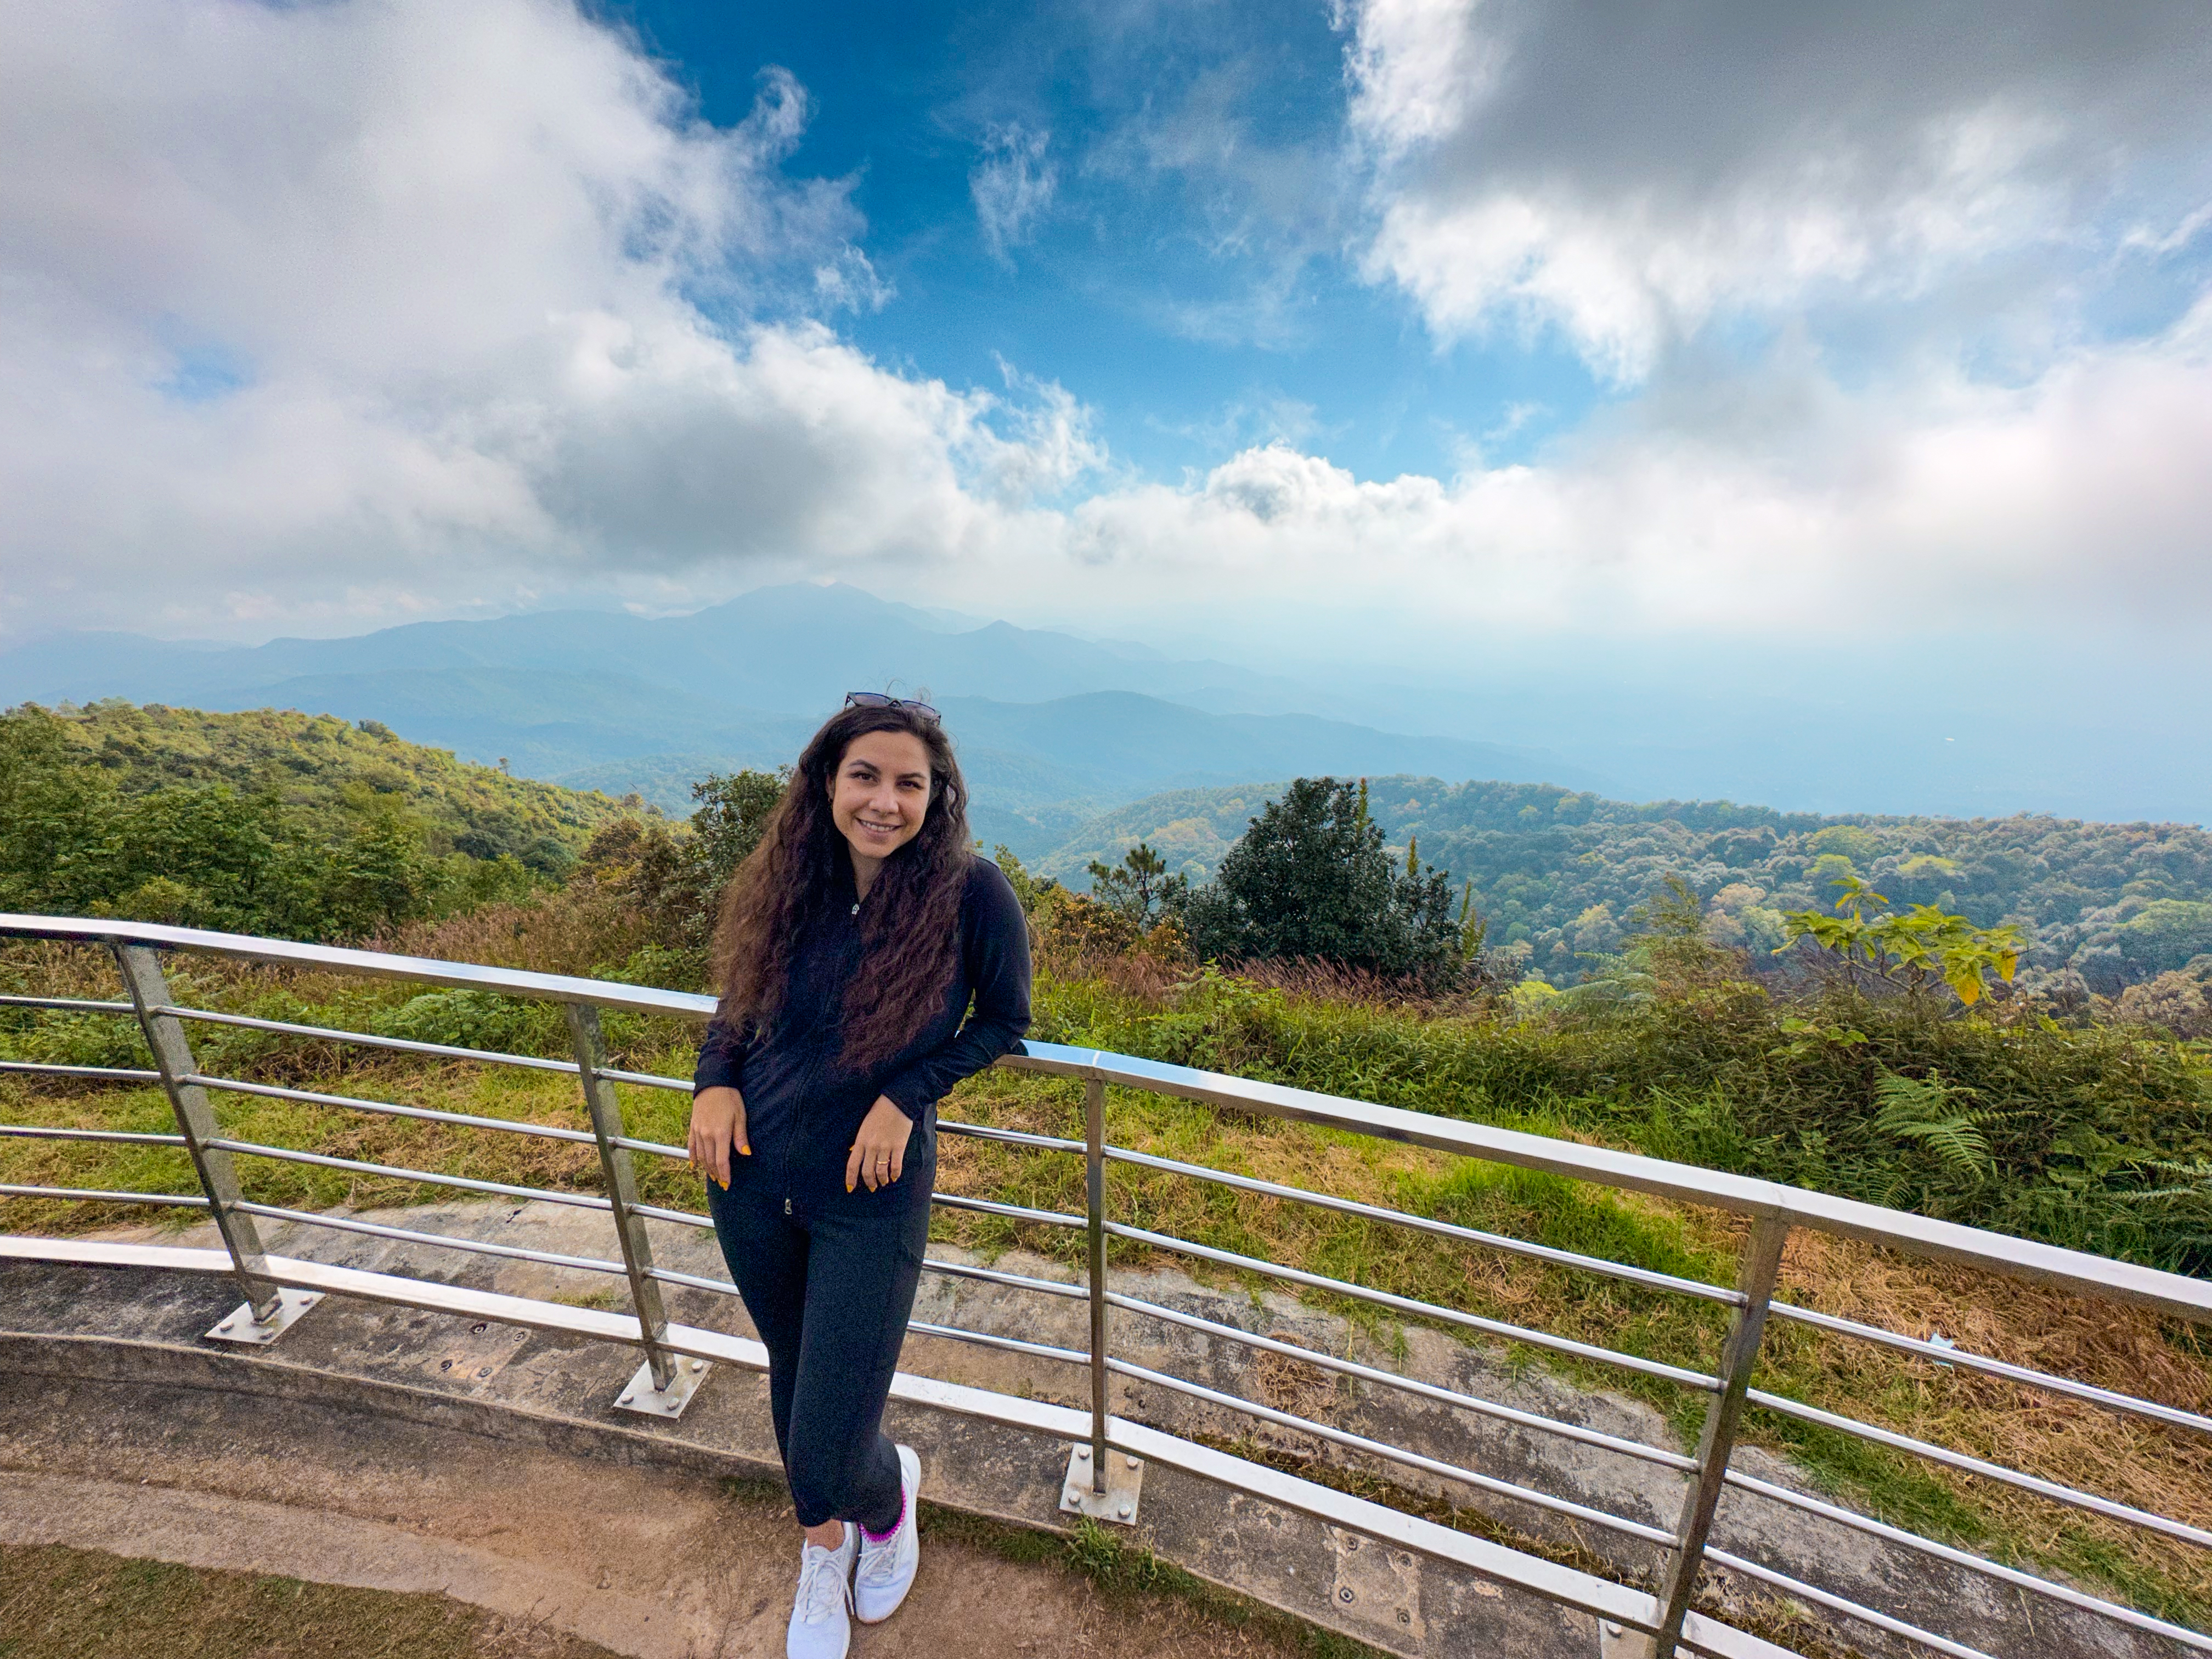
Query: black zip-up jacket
803, 1110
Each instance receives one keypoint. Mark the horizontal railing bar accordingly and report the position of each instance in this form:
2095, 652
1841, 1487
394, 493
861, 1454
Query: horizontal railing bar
388, 1108
1010, 1137
672, 1276
1410, 1385
1010, 1345
647, 1079
682, 1217
1395, 1454
331, 958
1943, 1356
1408, 1304
960, 1269
1798, 1587
113, 1073
1012, 1212
69, 1005
43, 1132
1657, 1281
1998, 1472
346, 1224
1017, 1281
2171, 1293
411, 1046
323, 1160
94, 1196
399, 1045
1913, 1540
654, 1146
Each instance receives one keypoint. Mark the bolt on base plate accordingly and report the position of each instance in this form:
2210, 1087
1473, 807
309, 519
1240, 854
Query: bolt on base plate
1125, 1481
240, 1326
639, 1394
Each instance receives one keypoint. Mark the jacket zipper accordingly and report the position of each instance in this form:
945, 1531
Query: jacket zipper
806, 1097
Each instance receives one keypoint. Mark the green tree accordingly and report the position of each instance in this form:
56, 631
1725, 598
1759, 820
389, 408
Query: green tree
678, 880
1310, 878
1139, 887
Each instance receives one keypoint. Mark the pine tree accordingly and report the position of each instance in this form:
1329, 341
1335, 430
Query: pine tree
1311, 879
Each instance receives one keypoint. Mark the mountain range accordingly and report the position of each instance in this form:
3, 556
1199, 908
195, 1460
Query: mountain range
1052, 728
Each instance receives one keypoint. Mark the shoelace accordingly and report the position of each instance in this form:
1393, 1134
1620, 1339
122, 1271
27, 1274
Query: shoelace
821, 1584
878, 1561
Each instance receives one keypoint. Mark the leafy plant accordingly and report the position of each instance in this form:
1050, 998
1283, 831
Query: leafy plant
1922, 1111
1922, 947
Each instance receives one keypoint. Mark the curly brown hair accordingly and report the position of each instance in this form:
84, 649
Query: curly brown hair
909, 928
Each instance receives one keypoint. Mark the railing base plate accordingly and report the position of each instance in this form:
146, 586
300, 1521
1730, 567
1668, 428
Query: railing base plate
1619, 1641
240, 1325
639, 1394
1125, 1481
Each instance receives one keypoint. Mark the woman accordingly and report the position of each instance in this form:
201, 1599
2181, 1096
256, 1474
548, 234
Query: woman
851, 945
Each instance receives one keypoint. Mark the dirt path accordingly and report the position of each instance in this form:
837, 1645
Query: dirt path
642, 1562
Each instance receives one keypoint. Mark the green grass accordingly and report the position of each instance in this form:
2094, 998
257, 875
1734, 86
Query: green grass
60, 1603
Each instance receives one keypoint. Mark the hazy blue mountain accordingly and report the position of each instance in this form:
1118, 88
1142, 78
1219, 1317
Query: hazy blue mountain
791, 649
1052, 728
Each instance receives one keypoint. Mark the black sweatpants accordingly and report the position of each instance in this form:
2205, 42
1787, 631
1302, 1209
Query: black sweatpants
829, 1284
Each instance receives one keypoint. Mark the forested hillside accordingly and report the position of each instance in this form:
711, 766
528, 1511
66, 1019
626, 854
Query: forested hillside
269, 821
1557, 872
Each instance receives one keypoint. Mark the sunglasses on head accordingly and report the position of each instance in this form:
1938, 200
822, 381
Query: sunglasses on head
877, 700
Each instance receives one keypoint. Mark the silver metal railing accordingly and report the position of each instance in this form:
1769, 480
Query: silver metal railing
278, 1290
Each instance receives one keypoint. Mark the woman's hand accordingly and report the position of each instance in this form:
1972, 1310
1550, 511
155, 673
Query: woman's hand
879, 1155
718, 1122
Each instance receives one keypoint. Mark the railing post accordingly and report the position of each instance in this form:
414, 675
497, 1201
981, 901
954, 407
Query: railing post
1099, 1484
664, 1383
268, 1308
1761, 1265
1094, 1184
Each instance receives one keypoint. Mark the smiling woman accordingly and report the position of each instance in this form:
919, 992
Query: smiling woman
869, 961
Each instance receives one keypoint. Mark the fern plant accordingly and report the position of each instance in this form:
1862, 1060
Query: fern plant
1924, 1111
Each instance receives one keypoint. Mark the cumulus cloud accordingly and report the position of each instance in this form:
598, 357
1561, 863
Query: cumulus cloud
1628, 176
1012, 186
321, 317
2078, 498
355, 309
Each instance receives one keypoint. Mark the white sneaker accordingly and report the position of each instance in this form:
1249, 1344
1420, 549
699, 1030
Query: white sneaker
819, 1626
886, 1571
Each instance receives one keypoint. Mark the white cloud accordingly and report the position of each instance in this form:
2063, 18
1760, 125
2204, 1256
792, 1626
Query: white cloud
1012, 186
1627, 177
329, 314
2079, 498
317, 317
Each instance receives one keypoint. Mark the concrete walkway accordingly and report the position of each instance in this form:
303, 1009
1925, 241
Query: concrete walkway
641, 1559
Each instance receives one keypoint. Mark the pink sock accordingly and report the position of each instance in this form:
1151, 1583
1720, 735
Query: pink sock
875, 1537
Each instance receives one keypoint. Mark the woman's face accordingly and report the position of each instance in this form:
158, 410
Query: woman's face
880, 793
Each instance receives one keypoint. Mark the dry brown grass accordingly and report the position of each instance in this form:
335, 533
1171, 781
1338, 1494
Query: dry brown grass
574, 931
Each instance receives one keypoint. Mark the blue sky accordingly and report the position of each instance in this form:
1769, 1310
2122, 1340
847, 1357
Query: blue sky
1415, 335
1187, 265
